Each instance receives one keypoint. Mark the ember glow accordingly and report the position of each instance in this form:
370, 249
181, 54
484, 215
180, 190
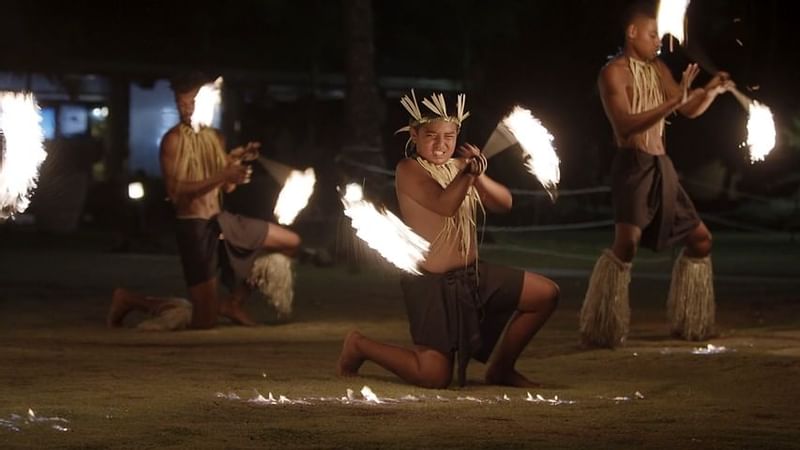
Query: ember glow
384, 232
760, 131
710, 349
22, 151
555, 401
294, 196
537, 143
369, 395
206, 102
671, 18
17, 422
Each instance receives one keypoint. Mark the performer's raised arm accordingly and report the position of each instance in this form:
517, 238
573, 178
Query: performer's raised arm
180, 190
494, 196
697, 100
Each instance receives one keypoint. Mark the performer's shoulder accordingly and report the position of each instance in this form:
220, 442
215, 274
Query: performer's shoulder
409, 172
661, 65
219, 135
170, 138
172, 132
613, 71
614, 64
405, 165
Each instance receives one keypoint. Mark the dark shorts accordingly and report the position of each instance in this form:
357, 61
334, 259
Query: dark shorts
646, 193
203, 253
462, 311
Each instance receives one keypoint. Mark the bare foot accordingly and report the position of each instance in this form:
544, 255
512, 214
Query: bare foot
350, 359
236, 313
120, 306
511, 377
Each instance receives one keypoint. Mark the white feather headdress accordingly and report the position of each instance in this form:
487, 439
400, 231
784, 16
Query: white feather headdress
437, 106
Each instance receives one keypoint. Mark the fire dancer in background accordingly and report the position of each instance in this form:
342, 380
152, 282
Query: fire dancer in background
650, 207
196, 169
459, 304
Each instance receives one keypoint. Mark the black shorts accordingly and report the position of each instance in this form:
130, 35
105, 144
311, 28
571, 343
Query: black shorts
226, 241
486, 299
646, 192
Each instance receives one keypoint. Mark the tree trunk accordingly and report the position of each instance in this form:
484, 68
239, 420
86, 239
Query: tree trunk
363, 105
362, 146
118, 126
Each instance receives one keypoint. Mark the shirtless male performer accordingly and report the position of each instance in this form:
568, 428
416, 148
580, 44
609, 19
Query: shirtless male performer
650, 206
460, 304
195, 169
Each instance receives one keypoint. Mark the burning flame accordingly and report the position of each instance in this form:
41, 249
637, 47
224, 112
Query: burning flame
671, 15
294, 195
206, 102
369, 395
541, 159
709, 349
22, 151
552, 401
384, 232
760, 131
